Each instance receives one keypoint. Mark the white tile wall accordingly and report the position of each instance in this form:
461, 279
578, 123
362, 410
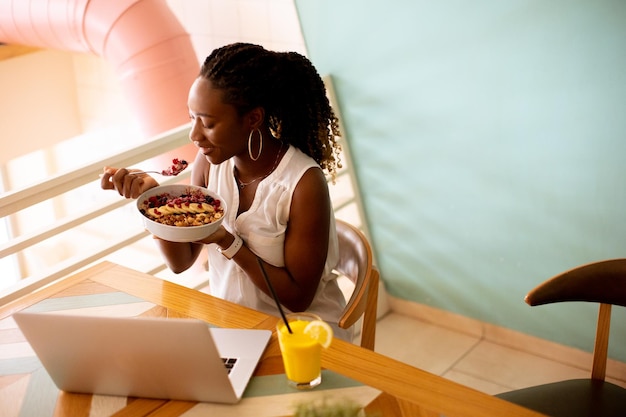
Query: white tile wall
214, 23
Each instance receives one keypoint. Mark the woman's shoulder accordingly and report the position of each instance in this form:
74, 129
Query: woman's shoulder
293, 165
295, 156
301, 171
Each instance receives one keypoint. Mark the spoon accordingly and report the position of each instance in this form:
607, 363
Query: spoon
178, 166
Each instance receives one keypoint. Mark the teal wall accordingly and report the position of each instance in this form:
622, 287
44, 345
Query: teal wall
489, 140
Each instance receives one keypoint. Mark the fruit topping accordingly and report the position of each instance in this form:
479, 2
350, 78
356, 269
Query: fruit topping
178, 166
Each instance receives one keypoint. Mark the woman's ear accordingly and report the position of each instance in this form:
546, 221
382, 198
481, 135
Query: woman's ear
256, 117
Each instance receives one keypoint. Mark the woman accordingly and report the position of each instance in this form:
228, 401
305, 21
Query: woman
265, 133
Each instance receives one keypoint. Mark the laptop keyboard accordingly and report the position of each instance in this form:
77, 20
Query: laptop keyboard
229, 363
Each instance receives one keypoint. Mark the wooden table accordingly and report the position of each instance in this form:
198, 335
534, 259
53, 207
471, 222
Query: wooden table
385, 387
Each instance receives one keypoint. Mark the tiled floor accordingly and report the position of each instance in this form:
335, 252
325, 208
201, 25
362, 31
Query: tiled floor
473, 360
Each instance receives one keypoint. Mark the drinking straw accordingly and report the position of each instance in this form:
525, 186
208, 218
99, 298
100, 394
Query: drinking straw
269, 285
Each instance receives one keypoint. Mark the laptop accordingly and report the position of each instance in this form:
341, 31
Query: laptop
149, 357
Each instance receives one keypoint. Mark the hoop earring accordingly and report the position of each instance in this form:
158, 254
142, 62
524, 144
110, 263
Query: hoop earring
250, 144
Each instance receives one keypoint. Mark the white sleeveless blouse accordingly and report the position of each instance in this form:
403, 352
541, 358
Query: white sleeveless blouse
262, 228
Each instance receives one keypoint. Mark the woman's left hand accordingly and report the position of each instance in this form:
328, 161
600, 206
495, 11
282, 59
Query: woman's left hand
221, 237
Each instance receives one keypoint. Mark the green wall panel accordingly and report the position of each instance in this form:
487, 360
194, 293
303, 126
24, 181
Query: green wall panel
489, 140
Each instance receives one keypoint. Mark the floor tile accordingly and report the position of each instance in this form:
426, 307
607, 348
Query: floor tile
513, 368
423, 345
480, 383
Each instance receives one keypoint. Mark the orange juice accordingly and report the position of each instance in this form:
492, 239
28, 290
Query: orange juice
301, 353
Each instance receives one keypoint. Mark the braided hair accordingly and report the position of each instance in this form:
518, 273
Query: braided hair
288, 87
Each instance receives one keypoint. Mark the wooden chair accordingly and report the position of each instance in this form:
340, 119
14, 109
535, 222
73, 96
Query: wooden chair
601, 282
355, 263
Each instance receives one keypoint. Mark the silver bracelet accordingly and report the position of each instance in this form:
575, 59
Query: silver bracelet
232, 249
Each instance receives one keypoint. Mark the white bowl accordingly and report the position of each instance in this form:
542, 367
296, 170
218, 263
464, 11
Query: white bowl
178, 233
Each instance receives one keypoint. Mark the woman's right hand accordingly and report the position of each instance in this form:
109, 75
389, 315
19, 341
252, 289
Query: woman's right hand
129, 186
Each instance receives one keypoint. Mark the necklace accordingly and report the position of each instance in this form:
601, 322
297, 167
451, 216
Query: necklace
241, 185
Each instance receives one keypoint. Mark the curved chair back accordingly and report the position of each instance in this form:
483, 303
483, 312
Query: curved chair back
599, 282
355, 263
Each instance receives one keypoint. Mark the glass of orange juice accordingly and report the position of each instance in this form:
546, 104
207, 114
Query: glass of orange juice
301, 349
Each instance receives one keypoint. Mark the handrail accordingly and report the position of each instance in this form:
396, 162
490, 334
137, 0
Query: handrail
64, 268
30, 239
14, 201
73, 264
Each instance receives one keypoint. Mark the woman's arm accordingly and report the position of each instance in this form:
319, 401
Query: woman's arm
305, 250
306, 241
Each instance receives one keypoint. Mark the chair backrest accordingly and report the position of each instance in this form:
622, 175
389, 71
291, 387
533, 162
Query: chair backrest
355, 263
601, 282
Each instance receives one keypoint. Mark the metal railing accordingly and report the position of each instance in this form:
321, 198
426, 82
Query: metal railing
14, 201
